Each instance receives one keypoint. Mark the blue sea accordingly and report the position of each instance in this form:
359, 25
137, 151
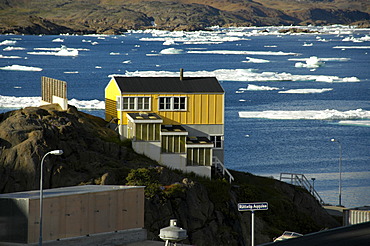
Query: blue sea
287, 95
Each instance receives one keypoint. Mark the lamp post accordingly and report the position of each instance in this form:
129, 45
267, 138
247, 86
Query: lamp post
340, 169
53, 152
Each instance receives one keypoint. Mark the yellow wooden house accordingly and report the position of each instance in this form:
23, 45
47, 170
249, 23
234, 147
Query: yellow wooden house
177, 121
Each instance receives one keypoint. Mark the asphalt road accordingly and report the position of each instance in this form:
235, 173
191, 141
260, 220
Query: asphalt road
355, 235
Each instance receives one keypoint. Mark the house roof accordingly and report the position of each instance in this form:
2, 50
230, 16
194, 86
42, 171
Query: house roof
169, 84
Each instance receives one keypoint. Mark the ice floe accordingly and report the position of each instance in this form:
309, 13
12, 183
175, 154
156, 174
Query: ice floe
58, 40
8, 42
251, 87
9, 57
11, 48
21, 102
243, 52
62, 51
21, 68
312, 62
305, 91
247, 75
351, 47
328, 114
171, 51
255, 60
87, 104
355, 122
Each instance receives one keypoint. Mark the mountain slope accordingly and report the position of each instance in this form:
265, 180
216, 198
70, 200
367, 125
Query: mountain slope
108, 16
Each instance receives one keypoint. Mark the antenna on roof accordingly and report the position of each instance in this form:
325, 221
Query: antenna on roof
181, 73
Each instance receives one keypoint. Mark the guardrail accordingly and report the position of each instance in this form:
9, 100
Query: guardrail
301, 180
219, 165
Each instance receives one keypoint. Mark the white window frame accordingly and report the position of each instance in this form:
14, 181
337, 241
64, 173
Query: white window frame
170, 103
215, 142
133, 103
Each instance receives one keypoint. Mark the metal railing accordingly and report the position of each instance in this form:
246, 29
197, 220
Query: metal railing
301, 180
220, 166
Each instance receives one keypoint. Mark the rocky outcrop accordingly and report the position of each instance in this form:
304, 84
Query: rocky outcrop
90, 150
93, 154
115, 17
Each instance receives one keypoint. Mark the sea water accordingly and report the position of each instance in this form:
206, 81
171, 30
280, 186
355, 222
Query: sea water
287, 95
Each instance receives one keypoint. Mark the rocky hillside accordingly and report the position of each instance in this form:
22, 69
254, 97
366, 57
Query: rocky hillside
116, 16
93, 154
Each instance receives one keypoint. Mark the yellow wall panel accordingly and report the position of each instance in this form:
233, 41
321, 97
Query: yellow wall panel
201, 109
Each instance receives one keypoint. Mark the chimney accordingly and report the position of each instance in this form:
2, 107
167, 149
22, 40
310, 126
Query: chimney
181, 73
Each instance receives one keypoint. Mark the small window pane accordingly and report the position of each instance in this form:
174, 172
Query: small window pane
132, 103
182, 103
146, 103
125, 103
176, 103
140, 104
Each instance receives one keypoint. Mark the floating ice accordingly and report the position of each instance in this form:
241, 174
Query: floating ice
328, 114
21, 102
21, 68
355, 122
169, 42
62, 51
87, 104
11, 48
251, 87
8, 42
9, 57
307, 44
171, 51
60, 40
114, 53
306, 91
71, 72
243, 52
351, 47
312, 62
255, 60
356, 40
243, 75
127, 62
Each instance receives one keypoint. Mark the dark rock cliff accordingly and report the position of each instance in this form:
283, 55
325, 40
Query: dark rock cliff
93, 154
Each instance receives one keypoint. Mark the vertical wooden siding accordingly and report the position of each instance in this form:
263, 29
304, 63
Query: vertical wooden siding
201, 109
52, 87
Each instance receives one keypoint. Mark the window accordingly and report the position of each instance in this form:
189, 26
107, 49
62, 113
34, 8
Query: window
199, 157
172, 103
173, 144
217, 141
165, 103
147, 131
133, 103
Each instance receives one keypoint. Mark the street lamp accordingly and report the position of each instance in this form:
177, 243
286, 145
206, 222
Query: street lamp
340, 169
53, 152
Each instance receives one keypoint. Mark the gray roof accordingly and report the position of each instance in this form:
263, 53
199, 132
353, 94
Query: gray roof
169, 85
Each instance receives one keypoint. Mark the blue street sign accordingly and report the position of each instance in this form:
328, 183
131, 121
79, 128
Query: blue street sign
253, 206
